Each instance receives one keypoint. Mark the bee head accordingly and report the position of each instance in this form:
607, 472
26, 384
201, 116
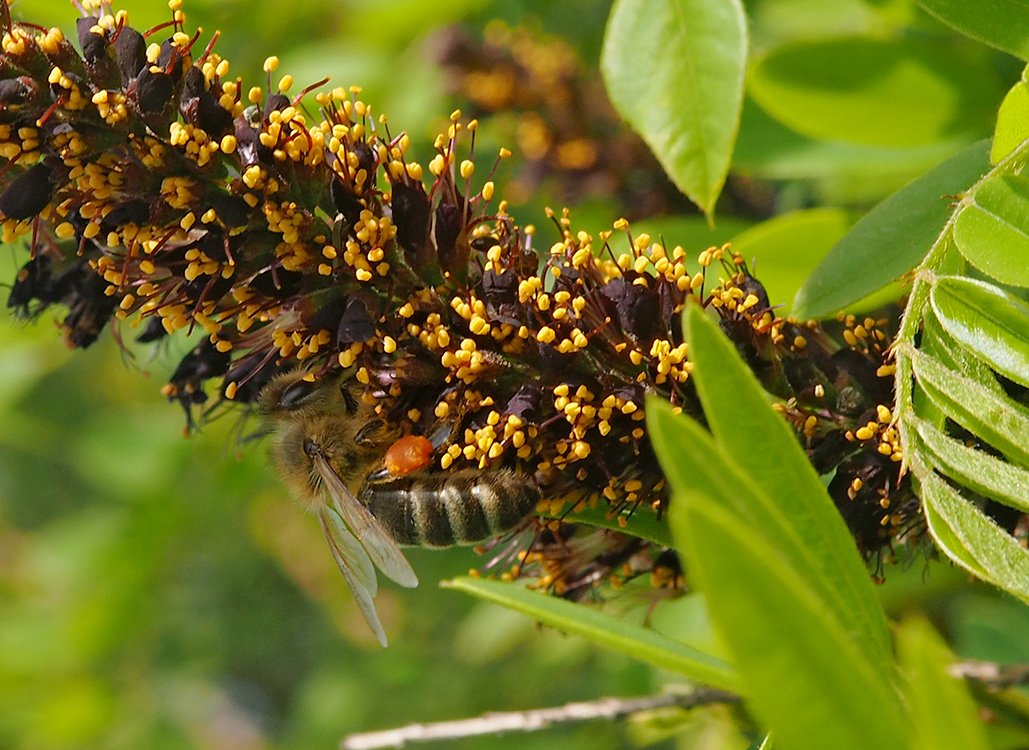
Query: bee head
295, 390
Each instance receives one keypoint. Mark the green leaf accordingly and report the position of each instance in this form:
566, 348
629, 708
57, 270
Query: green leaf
938, 343
987, 321
992, 230
899, 92
998, 23
998, 558
642, 523
992, 416
744, 425
973, 468
803, 674
767, 149
942, 712
693, 462
953, 546
1012, 122
674, 70
891, 239
610, 632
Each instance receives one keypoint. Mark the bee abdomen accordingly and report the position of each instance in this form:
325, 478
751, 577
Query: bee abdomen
440, 510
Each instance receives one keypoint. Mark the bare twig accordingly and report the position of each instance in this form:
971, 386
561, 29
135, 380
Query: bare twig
992, 674
530, 721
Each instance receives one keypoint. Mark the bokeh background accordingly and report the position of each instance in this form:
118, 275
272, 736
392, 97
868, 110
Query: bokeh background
160, 591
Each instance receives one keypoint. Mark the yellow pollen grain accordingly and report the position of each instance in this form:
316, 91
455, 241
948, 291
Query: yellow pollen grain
809, 425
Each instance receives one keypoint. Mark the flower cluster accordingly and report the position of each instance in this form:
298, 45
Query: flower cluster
154, 189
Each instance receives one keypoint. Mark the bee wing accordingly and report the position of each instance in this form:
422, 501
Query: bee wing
383, 551
356, 567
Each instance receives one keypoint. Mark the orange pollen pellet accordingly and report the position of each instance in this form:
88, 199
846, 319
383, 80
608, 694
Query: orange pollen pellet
409, 453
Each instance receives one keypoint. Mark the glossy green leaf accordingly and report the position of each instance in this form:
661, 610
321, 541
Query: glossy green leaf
1000, 559
942, 712
613, 633
899, 92
789, 651
987, 321
693, 462
992, 416
973, 468
1012, 122
891, 239
745, 425
674, 70
992, 231
999, 23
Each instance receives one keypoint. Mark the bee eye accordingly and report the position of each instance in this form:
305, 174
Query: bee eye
294, 395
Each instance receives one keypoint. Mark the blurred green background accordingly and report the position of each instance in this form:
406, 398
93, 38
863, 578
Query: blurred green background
162, 592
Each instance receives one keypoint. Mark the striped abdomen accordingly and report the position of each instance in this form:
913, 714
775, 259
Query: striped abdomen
461, 507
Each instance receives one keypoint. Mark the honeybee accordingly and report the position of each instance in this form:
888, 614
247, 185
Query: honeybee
369, 488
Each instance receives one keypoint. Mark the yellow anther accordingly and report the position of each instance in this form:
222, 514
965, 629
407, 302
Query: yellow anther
864, 433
